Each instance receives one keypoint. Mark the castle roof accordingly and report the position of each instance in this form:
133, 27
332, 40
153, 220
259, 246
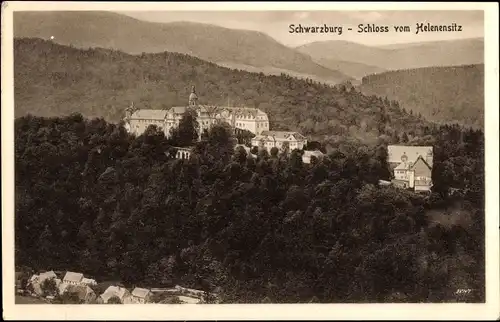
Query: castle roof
149, 114
281, 135
411, 165
396, 152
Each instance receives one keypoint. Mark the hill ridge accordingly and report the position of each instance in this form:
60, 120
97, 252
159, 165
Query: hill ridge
53, 80
443, 94
206, 41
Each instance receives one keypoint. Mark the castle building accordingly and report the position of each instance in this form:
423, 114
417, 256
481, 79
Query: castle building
412, 166
279, 139
243, 118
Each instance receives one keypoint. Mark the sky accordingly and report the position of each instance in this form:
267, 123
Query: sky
276, 23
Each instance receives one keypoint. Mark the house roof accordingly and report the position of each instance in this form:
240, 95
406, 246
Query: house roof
149, 114
246, 111
396, 152
190, 290
404, 166
88, 281
315, 153
81, 290
62, 287
178, 109
111, 291
188, 299
279, 135
420, 158
46, 275
140, 292
73, 277
411, 165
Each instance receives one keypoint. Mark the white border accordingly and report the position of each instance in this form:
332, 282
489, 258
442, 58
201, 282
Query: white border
490, 310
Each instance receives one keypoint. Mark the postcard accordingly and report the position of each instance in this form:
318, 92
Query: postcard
237, 160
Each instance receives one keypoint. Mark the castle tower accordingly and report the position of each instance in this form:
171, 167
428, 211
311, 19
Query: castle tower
193, 98
129, 111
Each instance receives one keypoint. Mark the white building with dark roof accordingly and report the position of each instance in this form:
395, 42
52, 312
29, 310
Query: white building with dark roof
139, 296
120, 292
412, 166
73, 278
279, 139
37, 280
306, 157
405, 153
243, 118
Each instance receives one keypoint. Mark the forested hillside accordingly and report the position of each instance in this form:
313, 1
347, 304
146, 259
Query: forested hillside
91, 198
84, 29
54, 80
441, 94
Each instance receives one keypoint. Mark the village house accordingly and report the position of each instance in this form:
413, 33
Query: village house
188, 299
88, 281
243, 118
139, 296
73, 278
183, 153
189, 291
397, 154
412, 166
279, 139
306, 157
36, 281
84, 293
120, 292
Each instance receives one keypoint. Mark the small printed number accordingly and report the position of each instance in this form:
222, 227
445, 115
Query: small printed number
463, 291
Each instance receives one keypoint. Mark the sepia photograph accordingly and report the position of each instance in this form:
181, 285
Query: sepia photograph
171, 156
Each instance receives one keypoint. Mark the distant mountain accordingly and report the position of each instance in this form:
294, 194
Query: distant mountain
83, 29
431, 43
270, 70
55, 80
442, 94
353, 69
400, 56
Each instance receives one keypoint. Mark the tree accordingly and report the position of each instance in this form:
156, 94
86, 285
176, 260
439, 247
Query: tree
114, 300
49, 287
404, 137
285, 149
253, 227
68, 298
274, 152
187, 132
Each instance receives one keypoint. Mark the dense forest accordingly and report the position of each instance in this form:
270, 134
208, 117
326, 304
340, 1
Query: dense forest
92, 198
55, 80
441, 94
